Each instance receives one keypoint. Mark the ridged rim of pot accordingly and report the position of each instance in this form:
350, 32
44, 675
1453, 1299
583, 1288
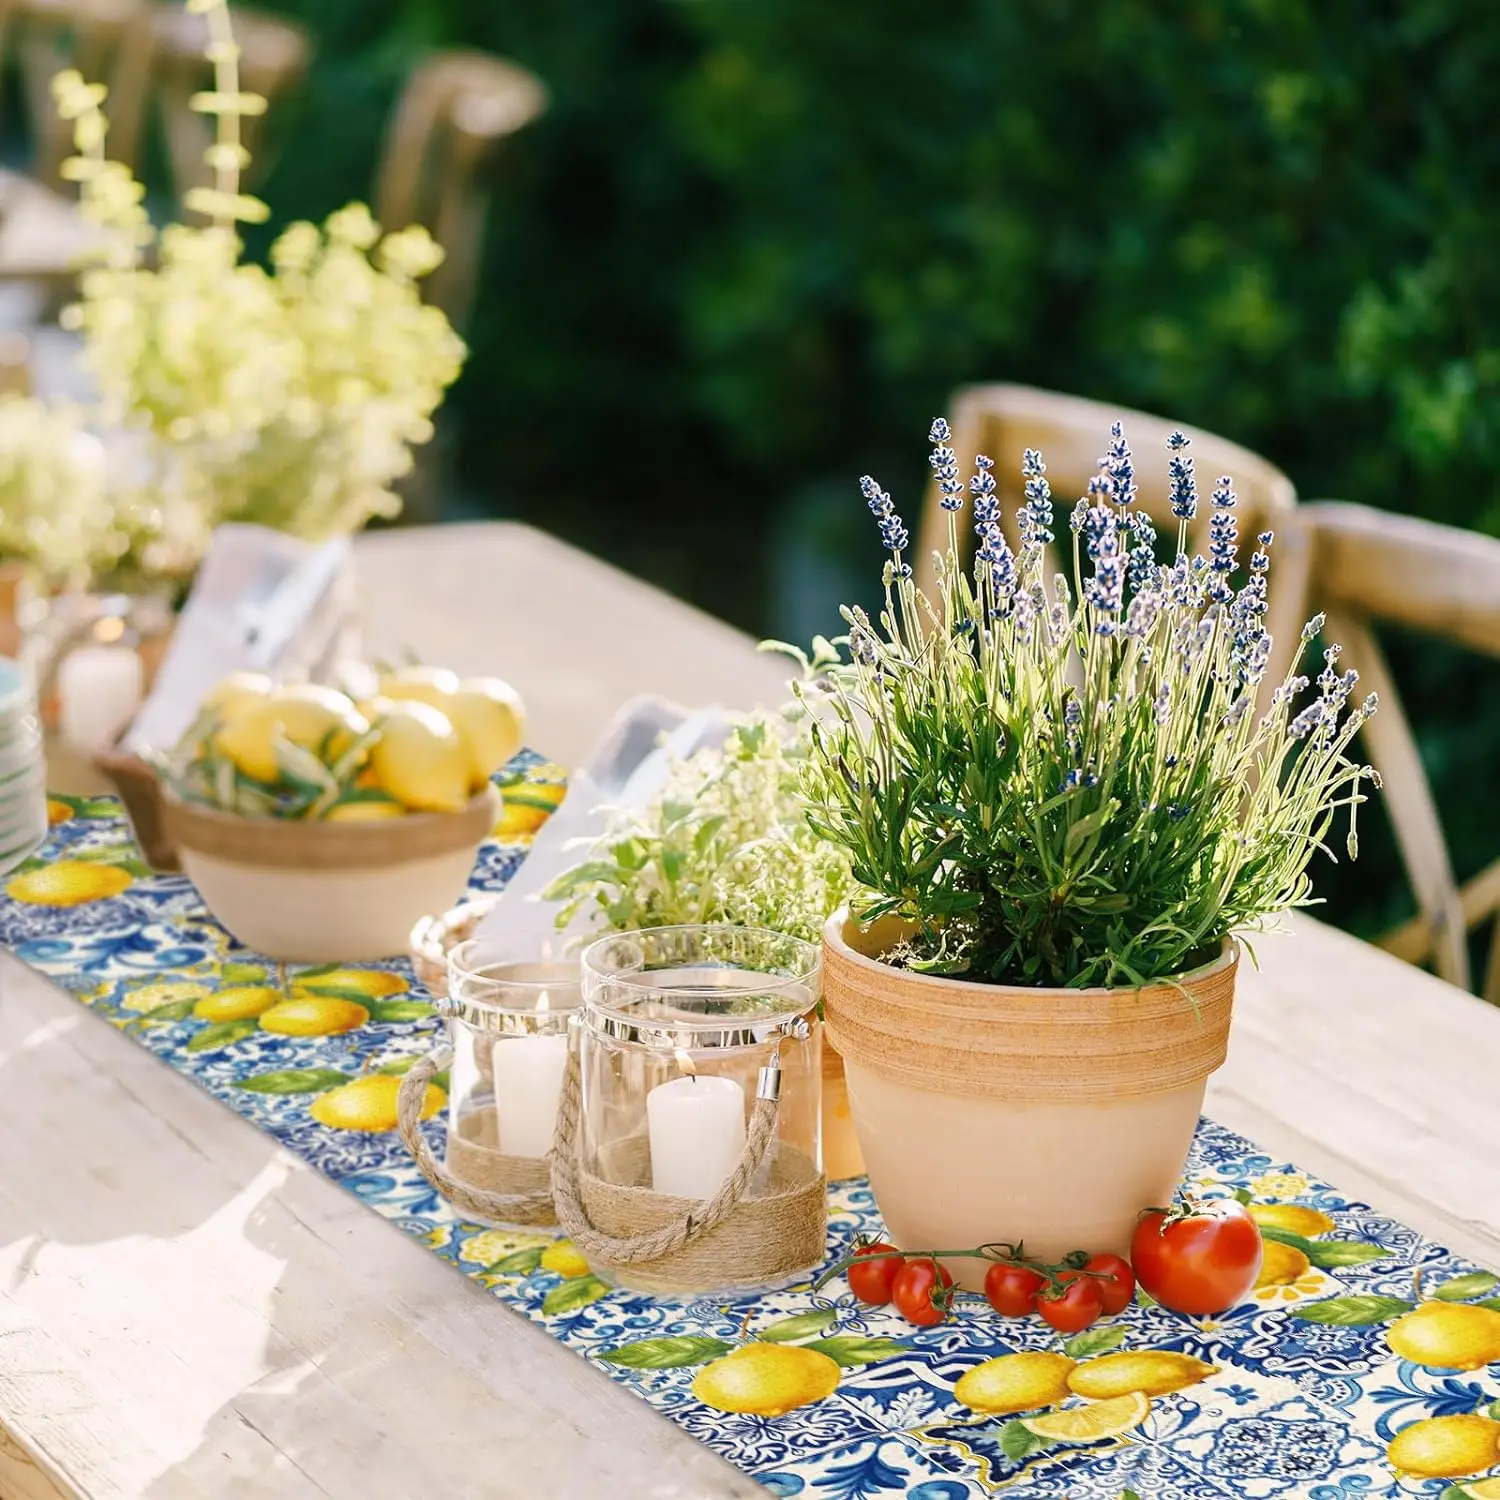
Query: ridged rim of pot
1024, 1044
292, 844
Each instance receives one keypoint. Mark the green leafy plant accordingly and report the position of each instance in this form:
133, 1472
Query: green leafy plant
726, 841
1075, 789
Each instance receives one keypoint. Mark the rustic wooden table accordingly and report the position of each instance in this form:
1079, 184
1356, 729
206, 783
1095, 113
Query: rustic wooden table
187, 1311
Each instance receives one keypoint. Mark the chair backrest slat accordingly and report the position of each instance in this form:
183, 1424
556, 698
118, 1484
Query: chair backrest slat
1368, 568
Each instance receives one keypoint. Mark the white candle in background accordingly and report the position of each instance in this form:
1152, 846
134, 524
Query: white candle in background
697, 1130
528, 1083
99, 689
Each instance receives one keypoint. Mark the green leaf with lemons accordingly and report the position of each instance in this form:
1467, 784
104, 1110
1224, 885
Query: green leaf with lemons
237, 973
294, 1081
1018, 1441
849, 1351
1353, 1312
1094, 1340
398, 1010
803, 1326
1461, 1288
571, 1295
518, 1262
672, 1353
223, 1034
176, 1010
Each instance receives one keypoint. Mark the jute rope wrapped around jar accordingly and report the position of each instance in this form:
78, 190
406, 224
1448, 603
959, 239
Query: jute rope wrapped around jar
479, 1179
752, 1232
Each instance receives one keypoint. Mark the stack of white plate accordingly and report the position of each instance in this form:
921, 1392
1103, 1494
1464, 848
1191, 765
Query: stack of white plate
23, 772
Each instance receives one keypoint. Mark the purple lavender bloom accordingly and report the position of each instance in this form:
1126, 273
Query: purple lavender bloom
1183, 487
1117, 464
1035, 519
892, 532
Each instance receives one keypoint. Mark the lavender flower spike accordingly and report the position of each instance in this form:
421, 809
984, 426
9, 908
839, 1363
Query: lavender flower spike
1184, 487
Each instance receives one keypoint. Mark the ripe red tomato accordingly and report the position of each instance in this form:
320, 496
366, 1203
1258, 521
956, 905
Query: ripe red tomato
1198, 1260
871, 1280
1012, 1289
1119, 1288
920, 1292
1078, 1304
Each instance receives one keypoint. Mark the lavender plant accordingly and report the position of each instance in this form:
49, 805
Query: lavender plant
1062, 788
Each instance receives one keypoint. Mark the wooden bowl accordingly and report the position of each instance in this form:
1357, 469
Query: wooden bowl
327, 892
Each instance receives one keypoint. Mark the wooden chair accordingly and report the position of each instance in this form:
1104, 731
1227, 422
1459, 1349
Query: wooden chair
1368, 566
108, 41
455, 111
274, 57
1071, 433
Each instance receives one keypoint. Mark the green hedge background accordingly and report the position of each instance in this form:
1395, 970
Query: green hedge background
755, 243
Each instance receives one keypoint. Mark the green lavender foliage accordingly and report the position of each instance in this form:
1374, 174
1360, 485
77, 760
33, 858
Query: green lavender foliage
726, 841
1067, 790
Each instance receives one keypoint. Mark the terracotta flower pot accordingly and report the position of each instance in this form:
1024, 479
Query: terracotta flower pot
987, 1112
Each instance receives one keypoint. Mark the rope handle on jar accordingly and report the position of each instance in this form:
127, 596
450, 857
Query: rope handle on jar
700, 1218
509, 1208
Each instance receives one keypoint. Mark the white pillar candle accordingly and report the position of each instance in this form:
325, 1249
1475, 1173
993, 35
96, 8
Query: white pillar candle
99, 689
697, 1129
528, 1082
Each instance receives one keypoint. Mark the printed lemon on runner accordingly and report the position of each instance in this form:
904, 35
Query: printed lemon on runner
239, 1003
313, 718
145, 998
565, 1259
1447, 1336
375, 984
70, 882
1446, 1447
526, 807
1280, 1265
491, 721
1015, 1382
1094, 1422
420, 760
369, 1104
308, 1015
1296, 1218
1152, 1372
766, 1380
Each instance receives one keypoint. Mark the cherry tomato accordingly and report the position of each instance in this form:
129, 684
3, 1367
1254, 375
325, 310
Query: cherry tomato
871, 1280
1078, 1304
1119, 1288
920, 1292
1201, 1259
1012, 1289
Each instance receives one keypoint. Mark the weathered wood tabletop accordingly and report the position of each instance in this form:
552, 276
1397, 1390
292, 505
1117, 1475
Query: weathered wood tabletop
187, 1311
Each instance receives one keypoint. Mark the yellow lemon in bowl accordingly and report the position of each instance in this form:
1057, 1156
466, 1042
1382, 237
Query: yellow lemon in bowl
491, 721
433, 686
419, 759
766, 1380
312, 717
237, 691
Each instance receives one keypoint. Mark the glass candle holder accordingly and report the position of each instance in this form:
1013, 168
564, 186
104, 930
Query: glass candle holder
699, 1066
508, 1026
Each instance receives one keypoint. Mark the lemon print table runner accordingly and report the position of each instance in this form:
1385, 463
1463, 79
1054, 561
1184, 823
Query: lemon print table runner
1365, 1364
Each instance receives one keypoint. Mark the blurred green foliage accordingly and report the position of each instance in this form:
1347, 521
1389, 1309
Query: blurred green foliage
755, 243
